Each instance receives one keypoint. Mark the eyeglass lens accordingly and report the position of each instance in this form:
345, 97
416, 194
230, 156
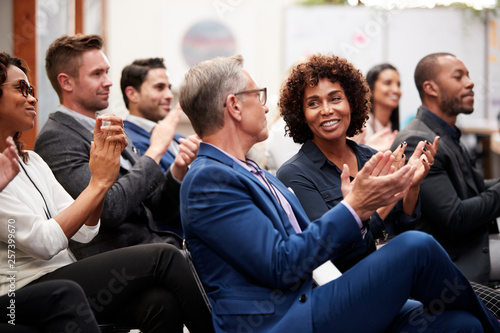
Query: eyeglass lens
26, 88
263, 97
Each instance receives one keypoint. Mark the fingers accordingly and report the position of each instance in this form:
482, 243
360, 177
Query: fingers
404, 176
429, 151
384, 165
399, 156
344, 176
192, 142
174, 116
188, 149
399, 183
10, 151
399, 150
419, 150
399, 180
346, 185
433, 148
367, 169
109, 134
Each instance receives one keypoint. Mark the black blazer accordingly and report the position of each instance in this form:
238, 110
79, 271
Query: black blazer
140, 195
456, 209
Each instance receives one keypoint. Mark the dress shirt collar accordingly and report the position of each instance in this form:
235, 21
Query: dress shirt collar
452, 131
243, 164
143, 123
87, 122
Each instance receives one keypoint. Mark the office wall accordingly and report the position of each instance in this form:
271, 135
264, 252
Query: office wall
368, 36
272, 35
151, 28
6, 26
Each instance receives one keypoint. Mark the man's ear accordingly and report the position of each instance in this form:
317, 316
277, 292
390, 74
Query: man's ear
66, 82
430, 88
233, 107
132, 94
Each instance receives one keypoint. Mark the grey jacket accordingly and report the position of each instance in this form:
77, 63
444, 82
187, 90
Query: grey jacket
139, 197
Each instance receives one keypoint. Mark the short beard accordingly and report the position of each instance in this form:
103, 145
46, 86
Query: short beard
94, 106
452, 107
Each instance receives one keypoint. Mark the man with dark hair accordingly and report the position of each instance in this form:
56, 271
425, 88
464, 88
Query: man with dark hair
459, 208
147, 94
143, 194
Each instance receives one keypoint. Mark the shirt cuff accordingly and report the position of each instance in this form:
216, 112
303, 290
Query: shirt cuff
355, 215
170, 170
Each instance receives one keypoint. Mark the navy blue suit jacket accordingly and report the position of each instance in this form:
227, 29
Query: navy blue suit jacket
141, 140
253, 264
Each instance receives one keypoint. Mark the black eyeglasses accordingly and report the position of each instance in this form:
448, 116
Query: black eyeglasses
24, 87
262, 94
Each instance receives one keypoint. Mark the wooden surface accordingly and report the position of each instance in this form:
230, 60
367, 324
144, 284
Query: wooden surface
25, 48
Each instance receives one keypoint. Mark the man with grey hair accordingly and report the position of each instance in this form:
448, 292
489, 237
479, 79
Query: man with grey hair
255, 249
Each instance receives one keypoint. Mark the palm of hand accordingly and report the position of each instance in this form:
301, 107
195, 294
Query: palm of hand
421, 170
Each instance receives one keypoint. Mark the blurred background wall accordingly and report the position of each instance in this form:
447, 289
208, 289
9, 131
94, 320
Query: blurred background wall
271, 35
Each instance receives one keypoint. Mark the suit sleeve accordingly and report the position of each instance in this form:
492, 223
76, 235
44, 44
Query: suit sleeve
235, 220
441, 203
315, 204
68, 156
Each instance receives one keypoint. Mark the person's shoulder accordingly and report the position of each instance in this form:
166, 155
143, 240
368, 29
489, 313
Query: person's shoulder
207, 171
130, 126
58, 121
297, 164
361, 148
36, 161
178, 136
415, 131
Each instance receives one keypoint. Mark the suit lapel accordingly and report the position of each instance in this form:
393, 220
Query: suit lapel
72, 124
214, 153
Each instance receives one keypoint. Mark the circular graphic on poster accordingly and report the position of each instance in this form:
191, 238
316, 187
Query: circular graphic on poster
206, 40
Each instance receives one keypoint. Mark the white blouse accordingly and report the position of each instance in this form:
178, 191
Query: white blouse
32, 243
373, 125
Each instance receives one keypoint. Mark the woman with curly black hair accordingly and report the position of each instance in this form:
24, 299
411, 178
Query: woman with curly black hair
324, 101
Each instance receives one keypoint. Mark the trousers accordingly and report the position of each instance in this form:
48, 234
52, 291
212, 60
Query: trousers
149, 287
374, 295
46, 307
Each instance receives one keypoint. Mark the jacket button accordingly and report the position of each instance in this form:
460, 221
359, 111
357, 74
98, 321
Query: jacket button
302, 298
486, 250
327, 196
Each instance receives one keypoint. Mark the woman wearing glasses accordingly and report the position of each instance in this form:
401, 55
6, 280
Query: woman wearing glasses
128, 286
324, 101
44, 306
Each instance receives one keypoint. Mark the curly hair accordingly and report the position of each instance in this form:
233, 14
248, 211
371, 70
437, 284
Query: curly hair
308, 74
5, 61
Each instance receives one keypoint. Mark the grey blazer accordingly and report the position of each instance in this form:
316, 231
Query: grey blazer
456, 209
139, 197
